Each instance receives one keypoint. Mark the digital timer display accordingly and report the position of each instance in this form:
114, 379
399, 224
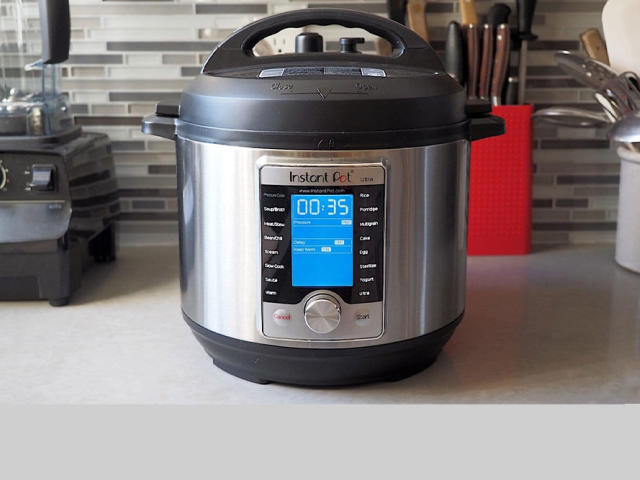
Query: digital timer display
322, 240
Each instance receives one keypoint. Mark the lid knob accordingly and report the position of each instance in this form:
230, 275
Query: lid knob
350, 44
308, 42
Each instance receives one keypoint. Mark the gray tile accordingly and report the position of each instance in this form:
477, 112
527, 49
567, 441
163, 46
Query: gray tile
162, 46
232, 8
575, 226
162, 169
127, 145
596, 191
79, 108
148, 192
571, 45
588, 179
572, 144
148, 205
148, 216
589, 215
110, 120
550, 215
569, 7
361, 7
549, 237
545, 70
190, 71
179, 59
542, 203
94, 58
156, 97
552, 83
543, 180
572, 202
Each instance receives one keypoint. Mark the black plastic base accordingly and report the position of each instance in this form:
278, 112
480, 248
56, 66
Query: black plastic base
262, 363
51, 270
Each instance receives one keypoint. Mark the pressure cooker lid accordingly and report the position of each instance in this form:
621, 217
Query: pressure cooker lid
323, 100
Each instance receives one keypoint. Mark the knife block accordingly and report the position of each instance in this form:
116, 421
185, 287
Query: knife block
500, 187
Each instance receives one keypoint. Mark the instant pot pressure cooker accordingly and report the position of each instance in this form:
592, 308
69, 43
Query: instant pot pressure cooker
323, 203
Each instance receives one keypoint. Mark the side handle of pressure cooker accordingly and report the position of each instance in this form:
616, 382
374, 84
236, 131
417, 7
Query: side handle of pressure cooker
409, 49
485, 126
163, 123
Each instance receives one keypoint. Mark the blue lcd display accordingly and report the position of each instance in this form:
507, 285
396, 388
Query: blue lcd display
322, 240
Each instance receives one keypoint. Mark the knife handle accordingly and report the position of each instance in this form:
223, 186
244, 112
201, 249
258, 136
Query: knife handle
497, 14
417, 19
468, 12
486, 63
454, 53
473, 58
525, 9
594, 45
501, 62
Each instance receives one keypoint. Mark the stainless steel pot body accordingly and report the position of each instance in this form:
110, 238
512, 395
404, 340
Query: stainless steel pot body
425, 229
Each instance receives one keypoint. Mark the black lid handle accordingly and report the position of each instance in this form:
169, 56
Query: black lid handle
237, 50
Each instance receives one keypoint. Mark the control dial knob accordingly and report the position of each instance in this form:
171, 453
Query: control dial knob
322, 313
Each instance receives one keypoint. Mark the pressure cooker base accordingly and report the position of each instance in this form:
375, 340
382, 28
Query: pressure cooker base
260, 363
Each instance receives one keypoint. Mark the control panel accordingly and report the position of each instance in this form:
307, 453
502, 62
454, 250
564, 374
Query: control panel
29, 176
322, 246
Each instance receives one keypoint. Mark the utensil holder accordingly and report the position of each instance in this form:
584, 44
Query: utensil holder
500, 187
628, 232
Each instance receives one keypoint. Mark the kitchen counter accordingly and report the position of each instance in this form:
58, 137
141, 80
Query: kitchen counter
560, 325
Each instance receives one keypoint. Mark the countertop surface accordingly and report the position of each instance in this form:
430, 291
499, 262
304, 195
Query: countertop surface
560, 325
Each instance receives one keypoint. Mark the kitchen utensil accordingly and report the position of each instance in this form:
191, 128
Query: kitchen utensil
593, 44
621, 32
610, 109
473, 59
486, 63
525, 10
301, 232
573, 117
498, 14
383, 47
628, 220
417, 19
397, 9
627, 129
454, 60
58, 193
468, 12
511, 91
599, 77
501, 62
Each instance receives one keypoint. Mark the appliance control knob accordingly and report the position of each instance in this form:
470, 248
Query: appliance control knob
322, 313
42, 178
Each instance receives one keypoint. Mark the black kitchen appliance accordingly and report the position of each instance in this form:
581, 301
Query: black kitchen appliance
58, 193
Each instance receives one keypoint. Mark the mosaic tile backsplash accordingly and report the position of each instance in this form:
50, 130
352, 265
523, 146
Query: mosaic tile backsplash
127, 56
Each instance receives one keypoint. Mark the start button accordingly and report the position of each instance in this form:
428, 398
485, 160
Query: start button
282, 317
